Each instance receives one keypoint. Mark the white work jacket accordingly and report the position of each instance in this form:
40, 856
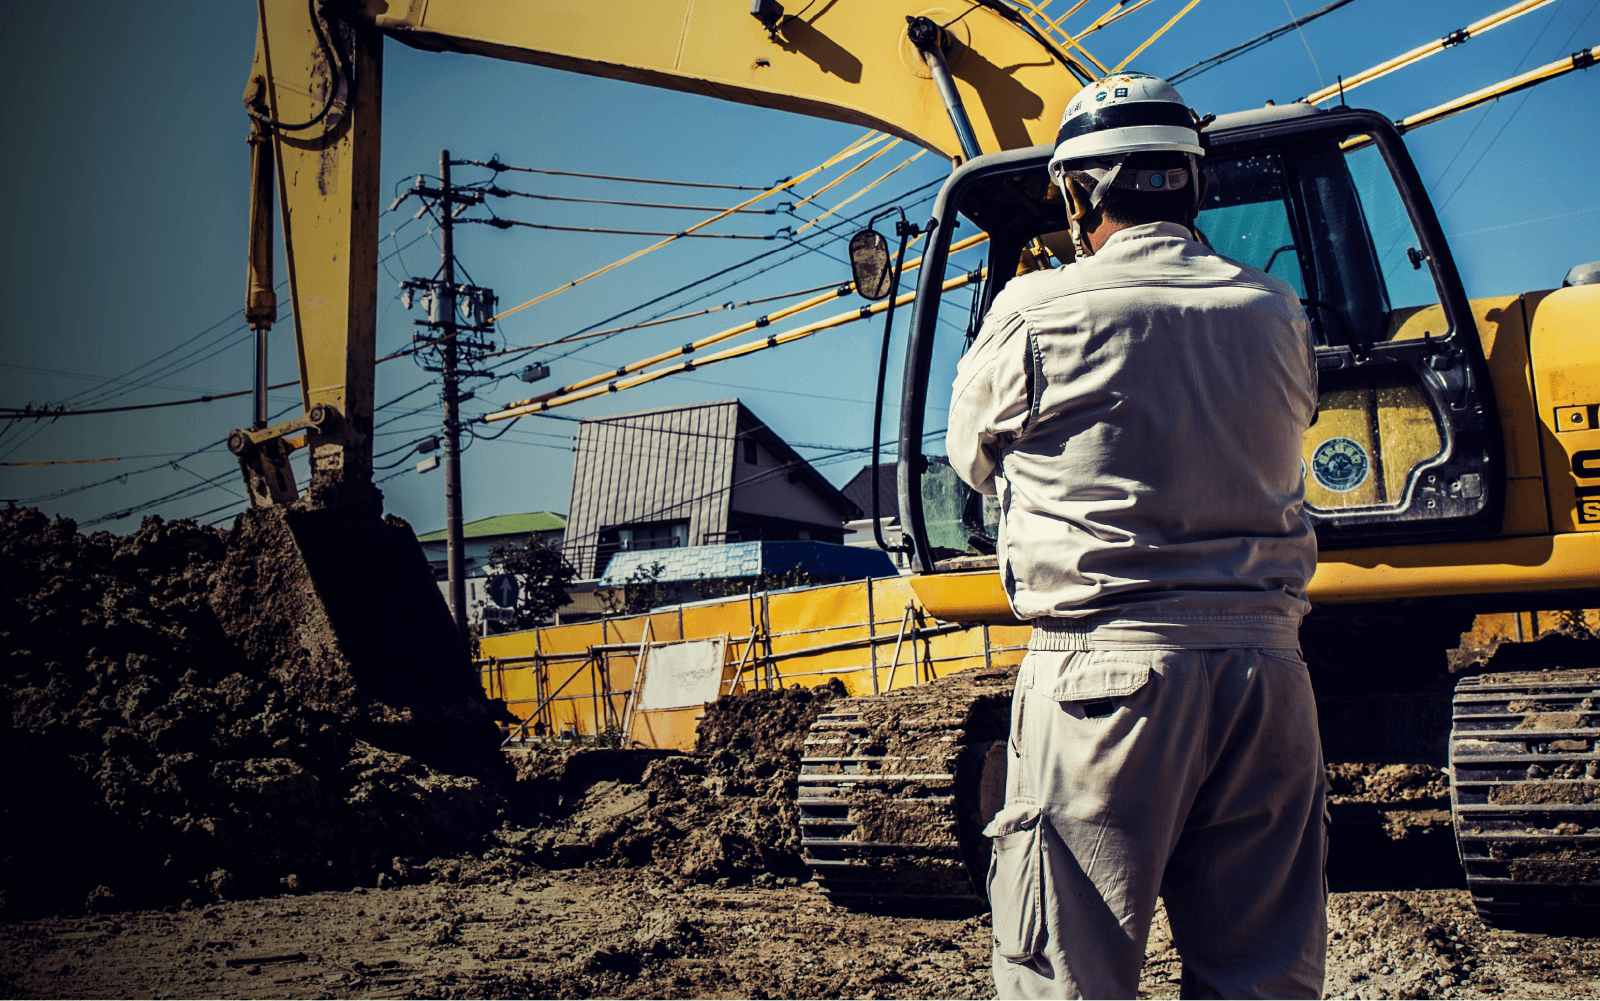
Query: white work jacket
1139, 415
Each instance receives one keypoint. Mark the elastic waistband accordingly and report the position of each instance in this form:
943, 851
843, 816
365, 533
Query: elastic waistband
1212, 632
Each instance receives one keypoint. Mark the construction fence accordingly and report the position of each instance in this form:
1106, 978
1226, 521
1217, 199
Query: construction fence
645, 679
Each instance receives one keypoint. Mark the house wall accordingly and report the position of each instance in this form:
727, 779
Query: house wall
475, 552
766, 490
655, 466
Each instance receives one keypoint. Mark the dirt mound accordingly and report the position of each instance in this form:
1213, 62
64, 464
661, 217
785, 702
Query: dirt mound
148, 761
1571, 647
725, 813
1348, 782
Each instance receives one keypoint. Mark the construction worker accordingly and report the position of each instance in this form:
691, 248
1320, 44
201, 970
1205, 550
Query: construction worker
1138, 414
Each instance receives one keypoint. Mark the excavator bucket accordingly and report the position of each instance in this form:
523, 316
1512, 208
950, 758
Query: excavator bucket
341, 608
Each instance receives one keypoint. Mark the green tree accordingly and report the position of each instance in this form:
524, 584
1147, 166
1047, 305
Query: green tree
542, 574
641, 591
723, 587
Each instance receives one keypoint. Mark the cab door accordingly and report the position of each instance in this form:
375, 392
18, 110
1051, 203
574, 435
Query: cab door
1406, 445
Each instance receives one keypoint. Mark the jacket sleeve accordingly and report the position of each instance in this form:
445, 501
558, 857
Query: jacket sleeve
990, 402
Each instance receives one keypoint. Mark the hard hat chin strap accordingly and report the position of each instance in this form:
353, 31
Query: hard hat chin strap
1104, 178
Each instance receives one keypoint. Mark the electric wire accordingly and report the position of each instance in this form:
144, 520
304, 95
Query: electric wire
1032, 10
1228, 55
728, 354
31, 412
499, 222
1310, 55
1159, 32
801, 252
1016, 18
848, 151
908, 161
1462, 146
1518, 109
719, 336
1423, 51
811, 248
496, 166
500, 192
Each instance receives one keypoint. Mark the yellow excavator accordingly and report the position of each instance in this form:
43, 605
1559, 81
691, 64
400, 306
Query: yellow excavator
1454, 469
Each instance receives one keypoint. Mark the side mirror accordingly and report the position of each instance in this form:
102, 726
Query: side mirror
869, 264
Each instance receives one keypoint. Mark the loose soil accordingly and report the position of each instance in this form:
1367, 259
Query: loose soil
640, 933
181, 822
150, 760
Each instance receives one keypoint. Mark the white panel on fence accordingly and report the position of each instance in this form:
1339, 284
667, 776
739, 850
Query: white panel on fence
680, 675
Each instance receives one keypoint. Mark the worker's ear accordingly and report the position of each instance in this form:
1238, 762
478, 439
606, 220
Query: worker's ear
1085, 217
1078, 207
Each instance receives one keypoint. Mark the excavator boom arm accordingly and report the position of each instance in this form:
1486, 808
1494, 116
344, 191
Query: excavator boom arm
318, 74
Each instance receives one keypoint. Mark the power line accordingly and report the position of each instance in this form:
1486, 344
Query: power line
499, 222
1515, 111
1228, 55
500, 192
820, 236
495, 165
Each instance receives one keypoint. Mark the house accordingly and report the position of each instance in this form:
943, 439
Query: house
859, 491
698, 475
682, 575
479, 538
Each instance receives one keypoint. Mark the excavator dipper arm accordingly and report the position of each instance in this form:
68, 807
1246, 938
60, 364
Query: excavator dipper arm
316, 88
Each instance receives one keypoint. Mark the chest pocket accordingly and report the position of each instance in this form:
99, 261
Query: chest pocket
1099, 674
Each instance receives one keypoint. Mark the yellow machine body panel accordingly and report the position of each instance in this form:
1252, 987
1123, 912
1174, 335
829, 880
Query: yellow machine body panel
1564, 343
328, 190
1544, 343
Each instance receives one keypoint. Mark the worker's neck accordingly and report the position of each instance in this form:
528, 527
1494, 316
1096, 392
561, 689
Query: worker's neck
1106, 229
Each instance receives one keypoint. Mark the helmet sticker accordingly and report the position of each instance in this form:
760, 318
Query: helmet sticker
1121, 92
1100, 96
1340, 464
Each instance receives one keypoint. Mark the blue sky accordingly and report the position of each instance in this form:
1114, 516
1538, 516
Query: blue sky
125, 240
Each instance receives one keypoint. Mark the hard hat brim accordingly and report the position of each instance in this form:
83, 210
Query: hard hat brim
1128, 139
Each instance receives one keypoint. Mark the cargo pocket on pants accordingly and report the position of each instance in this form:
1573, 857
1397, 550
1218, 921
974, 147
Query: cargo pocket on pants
1016, 883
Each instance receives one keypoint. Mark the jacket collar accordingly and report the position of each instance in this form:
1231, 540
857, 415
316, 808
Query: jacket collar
1145, 231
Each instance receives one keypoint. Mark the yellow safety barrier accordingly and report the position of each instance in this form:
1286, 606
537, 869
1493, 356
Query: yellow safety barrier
644, 680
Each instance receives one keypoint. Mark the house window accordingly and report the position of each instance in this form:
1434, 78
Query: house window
661, 535
632, 538
750, 452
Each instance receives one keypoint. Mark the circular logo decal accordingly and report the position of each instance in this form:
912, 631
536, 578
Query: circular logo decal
1340, 464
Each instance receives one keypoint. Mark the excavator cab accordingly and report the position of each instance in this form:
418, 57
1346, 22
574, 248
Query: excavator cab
1405, 446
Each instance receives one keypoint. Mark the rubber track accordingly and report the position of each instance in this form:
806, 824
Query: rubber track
886, 818
1525, 795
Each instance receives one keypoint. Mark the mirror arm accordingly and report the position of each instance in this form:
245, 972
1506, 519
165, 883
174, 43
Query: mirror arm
905, 230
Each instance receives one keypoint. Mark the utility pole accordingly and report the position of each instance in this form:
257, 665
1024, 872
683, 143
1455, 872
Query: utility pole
455, 557
450, 342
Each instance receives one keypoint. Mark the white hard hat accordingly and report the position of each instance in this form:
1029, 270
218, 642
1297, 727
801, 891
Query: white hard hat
1125, 113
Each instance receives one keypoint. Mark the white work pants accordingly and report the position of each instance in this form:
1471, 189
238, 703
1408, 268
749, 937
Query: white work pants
1193, 774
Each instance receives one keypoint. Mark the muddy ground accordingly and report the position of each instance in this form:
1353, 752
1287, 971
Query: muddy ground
607, 932
184, 819
644, 879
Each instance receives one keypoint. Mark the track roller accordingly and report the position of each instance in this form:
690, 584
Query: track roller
1525, 795
895, 791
